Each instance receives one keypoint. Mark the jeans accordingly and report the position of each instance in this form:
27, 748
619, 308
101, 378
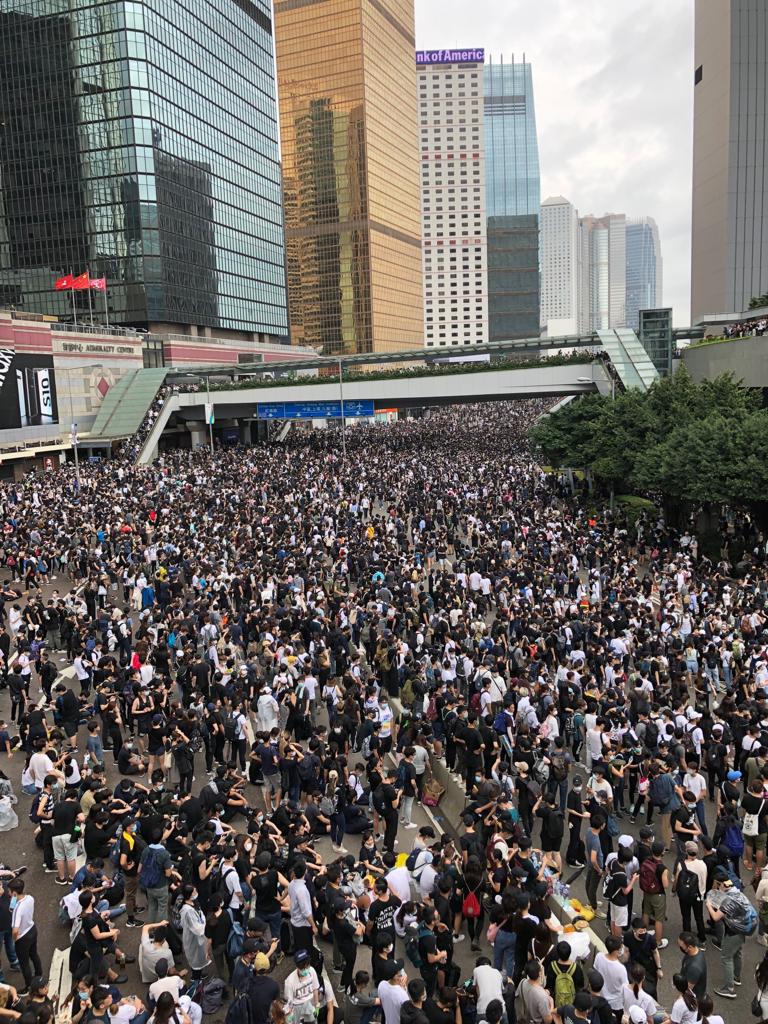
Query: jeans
114, 912
730, 954
10, 949
157, 904
406, 808
275, 922
593, 880
504, 952
559, 786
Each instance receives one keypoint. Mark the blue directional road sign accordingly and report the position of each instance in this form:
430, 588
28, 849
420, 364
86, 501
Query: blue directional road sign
271, 411
314, 410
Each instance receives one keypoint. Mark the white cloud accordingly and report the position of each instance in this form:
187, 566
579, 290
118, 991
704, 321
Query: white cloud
613, 86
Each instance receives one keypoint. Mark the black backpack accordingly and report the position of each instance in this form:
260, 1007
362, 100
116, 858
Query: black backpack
687, 887
379, 800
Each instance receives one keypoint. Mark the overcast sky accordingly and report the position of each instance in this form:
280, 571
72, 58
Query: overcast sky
613, 87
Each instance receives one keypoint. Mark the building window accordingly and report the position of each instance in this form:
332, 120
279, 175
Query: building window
698, 74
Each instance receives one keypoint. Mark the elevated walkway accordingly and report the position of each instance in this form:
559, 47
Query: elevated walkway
488, 385
630, 360
127, 403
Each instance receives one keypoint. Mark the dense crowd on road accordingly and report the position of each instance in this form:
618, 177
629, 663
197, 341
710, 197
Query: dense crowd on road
271, 656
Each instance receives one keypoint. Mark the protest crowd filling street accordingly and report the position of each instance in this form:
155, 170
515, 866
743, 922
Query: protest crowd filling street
232, 685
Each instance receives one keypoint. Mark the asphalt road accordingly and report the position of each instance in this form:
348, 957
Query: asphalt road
17, 847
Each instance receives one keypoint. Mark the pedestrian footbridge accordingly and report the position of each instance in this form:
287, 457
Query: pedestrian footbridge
235, 409
126, 405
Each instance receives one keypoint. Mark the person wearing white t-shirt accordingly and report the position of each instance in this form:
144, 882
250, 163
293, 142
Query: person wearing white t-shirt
614, 973
24, 931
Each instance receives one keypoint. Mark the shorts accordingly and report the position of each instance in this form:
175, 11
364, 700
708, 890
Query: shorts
655, 906
273, 781
70, 727
757, 843
64, 848
620, 916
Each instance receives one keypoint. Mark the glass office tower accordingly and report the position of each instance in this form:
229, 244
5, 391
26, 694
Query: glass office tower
347, 86
512, 200
644, 268
139, 140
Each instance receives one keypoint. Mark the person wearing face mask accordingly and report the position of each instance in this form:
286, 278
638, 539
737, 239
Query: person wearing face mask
65, 814
131, 847
574, 855
24, 932
302, 989
266, 883
196, 946
685, 824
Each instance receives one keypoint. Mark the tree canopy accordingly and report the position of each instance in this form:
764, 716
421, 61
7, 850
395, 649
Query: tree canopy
689, 442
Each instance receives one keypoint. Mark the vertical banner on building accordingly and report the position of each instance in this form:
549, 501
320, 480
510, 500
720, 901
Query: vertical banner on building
27, 390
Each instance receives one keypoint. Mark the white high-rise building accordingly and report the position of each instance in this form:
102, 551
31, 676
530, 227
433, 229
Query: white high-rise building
607, 270
450, 96
563, 311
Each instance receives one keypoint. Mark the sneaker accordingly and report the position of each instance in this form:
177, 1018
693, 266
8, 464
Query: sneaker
578, 864
119, 980
61, 881
600, 914
703, 947
411, 824
14, 967
134, 922
632, 819
726, 993
459, 938
51, 871
735, 982
663, 944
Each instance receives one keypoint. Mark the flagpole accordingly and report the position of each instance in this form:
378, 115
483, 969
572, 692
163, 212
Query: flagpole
106, 307
74, 311
90, 300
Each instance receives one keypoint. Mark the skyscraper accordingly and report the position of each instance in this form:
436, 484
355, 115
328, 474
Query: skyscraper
729, 236
348, 117
140, 141
512, 200
562, 269
644, 276
605, 244
450, 86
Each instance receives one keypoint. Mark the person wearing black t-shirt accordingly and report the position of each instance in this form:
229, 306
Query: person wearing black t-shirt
387, 799
344, 932
552, 825
575, 854
381, 913
265, 884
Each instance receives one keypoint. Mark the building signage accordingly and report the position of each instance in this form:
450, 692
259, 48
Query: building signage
27, 390
472, 56
313, 410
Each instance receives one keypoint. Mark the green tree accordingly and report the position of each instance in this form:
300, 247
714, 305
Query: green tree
691, 443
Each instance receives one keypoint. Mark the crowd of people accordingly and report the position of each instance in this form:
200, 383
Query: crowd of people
266, 655
747, 328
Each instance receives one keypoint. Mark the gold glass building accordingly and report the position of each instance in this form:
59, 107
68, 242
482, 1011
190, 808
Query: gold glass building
347, 95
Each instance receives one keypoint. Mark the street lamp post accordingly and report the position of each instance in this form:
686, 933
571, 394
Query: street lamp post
343, 421
209, 409
74, 449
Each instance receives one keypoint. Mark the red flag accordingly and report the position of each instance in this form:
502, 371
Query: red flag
64, 283
81, 282
99, 284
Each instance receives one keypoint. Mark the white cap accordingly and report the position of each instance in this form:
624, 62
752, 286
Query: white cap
626, 840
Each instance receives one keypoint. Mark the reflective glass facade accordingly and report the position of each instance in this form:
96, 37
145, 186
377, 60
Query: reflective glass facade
347, 88
139, 140
512, 200
644, 277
